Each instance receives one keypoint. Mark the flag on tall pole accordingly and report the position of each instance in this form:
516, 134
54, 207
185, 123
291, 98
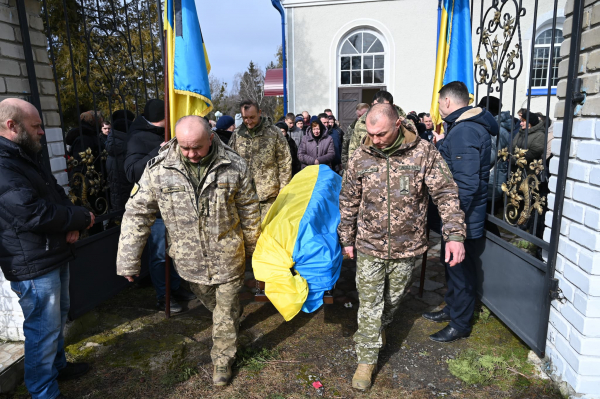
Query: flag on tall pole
455, 52
187, 60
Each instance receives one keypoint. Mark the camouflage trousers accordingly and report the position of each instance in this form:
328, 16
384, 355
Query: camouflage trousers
380, 284
222, 300
265, 206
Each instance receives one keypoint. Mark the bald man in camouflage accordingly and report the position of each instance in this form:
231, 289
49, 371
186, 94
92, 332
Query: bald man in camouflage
205, 195
383, 205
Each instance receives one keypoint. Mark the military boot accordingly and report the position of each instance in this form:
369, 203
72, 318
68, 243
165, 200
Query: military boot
221, 375
362, 376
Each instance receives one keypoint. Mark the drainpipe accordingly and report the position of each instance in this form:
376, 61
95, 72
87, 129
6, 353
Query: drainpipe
279, 7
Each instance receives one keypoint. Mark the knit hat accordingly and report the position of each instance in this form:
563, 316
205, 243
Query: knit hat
533, 118
282, 125
225, 122
238, 120
154, 111
122, 114
494, 105
299, 118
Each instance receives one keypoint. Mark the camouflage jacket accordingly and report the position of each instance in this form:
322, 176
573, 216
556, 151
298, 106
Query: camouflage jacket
360, 131
346, 143
209, 233
268, 156
383, 203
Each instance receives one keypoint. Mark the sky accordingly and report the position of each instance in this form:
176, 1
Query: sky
237, 31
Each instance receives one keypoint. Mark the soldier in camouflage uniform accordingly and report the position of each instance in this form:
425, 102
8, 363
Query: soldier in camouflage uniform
383, 205
261, 144
360, 129
210, 209
361, 109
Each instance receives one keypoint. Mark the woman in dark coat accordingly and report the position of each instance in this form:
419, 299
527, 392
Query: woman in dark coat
316, 147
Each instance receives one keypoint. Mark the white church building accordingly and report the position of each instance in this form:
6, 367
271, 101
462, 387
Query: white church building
340, 52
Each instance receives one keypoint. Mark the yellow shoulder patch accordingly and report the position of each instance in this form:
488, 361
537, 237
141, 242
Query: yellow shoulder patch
134, 190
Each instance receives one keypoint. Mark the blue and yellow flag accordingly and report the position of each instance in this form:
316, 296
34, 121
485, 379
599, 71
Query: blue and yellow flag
298, 254
189, 91
454, 53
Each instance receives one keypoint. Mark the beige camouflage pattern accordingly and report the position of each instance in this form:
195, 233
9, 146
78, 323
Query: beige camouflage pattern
268, 157
222, 300
264, 207
346, 143
360, 130
383, 203
381, 285
209, 237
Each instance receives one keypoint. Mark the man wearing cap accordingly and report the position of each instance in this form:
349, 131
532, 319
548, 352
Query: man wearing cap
225, 127
147, 133
262, 145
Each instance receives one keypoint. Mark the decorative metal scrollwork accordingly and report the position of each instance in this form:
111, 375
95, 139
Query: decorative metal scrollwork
497, 59
88, 187
522, 189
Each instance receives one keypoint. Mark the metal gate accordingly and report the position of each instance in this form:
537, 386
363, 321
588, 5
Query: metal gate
516, 272
106, 56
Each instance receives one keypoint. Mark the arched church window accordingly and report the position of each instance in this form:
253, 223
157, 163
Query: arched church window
362, 59
545, 74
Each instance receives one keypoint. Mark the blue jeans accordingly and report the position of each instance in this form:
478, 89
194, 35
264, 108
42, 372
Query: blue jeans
45, 304
156, 251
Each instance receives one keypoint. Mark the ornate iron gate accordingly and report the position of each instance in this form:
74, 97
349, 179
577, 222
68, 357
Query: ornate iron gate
516, 273
105, 57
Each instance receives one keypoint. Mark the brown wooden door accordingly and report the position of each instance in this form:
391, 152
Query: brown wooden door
348, 99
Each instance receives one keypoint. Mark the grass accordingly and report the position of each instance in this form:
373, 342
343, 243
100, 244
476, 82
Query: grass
495, 357
181, 374
255, 360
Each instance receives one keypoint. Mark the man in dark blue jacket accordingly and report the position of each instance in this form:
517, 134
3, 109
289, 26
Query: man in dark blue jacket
466, 149
38, 224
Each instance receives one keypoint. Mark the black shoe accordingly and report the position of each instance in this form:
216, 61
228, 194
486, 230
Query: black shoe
181, 294
72, 371
448, 334
175, 307
438, 317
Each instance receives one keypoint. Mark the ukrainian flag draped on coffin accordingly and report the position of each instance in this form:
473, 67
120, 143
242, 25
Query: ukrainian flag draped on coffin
455, 52
187, 61
300, 232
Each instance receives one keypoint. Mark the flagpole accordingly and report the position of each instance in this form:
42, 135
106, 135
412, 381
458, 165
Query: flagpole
167, 138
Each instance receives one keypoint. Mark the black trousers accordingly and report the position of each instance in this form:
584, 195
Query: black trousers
462, 284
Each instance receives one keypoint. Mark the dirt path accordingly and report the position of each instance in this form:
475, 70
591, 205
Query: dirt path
135, 353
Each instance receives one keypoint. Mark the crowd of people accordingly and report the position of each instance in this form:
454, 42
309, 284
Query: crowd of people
209, 188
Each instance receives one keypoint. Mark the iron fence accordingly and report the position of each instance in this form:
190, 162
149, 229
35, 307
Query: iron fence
105, 57
517, 267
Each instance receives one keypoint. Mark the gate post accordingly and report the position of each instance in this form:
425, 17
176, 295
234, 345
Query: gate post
573, 340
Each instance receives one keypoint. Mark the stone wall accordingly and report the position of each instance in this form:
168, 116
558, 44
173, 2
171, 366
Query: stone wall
14, 83
573, 343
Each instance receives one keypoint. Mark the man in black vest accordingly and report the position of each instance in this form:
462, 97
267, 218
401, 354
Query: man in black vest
38, 224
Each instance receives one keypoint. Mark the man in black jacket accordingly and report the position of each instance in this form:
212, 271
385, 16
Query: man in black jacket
466, 149
147, 133
116, 147
38, 224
